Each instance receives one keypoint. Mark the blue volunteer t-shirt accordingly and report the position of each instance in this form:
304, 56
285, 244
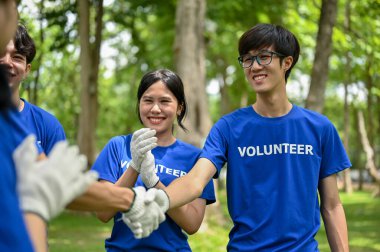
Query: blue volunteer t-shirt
45, 126
13, 234
274, 166
172, 162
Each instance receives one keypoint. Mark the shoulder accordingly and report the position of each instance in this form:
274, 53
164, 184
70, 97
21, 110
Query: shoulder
120, 140
241, 112
312, 116
189, 147
43, 114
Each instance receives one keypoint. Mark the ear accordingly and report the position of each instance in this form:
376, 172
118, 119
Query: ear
179, 110
27, 69
288, 61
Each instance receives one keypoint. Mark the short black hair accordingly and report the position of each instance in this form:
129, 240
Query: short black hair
5, 91
266, 35
173, 82
24, 44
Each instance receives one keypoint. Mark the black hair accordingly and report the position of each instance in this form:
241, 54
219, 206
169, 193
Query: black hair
173, 82
24, 44
5, 91
266, 35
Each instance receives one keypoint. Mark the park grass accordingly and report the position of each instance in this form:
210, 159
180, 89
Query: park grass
82, 232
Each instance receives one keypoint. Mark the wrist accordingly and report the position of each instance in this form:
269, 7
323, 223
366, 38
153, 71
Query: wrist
132, 202
150, 180
134, 166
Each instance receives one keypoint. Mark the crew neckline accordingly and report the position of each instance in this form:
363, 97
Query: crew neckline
273, 119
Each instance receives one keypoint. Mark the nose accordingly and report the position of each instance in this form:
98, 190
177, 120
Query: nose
156, 108
6, 60
255, 64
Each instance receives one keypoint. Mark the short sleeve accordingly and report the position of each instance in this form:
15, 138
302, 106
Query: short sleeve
107, 163
216, 145
55, 135
334, 156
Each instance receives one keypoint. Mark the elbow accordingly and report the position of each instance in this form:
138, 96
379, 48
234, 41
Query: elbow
192, 229
102, 217
198, 189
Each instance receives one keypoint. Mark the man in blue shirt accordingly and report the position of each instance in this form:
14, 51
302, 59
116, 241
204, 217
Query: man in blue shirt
279, 157
17, 58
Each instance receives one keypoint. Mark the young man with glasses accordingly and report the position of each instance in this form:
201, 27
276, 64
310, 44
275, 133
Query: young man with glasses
279, 158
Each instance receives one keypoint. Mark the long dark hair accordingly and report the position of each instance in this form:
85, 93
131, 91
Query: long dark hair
173, 82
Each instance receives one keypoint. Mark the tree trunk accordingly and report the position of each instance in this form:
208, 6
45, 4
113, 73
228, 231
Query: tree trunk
189, 52
358, 152
370, 164
316, 96
89, 62
347, 172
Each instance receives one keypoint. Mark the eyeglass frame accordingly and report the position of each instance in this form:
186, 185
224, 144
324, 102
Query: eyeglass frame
255, 57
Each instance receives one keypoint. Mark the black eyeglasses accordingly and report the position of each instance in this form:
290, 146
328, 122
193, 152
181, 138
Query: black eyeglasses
263, 58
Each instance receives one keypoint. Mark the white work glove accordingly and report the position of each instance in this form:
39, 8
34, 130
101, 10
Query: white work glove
143, 140
144, 216
46, 187
148, 171
160, 197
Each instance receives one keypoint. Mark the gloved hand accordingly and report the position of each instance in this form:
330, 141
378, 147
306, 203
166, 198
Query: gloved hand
46, 187
148, 171
159, 196
144, 216
143, 140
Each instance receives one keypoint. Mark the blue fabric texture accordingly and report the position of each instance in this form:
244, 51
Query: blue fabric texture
45, 126
13, 234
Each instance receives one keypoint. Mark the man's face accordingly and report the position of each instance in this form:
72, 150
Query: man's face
16, 65
267, 78
8, 22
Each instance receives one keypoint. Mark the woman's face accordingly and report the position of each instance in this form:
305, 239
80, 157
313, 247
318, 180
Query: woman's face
159, 108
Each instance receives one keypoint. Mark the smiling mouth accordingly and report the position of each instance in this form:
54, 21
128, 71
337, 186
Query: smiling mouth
155, 120
259, 77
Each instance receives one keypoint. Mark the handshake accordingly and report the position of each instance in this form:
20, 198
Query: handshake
147, 211
148, 207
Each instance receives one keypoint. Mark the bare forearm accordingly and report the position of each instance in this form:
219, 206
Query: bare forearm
336, 227
37, 231
189, 217
127, 180
182, 191
103, 197
189, 187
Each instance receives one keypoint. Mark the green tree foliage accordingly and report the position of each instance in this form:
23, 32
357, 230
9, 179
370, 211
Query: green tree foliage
139, 35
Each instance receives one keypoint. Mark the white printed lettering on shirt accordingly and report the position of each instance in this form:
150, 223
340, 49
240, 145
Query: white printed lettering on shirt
274, 149
123, 163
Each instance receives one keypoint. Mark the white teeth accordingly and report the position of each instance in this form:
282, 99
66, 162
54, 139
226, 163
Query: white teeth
155, 120
259, 77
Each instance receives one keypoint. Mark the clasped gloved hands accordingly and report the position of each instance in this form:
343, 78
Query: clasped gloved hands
147, 211
46, 187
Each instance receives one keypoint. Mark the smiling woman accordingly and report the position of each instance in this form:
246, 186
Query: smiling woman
160, 104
